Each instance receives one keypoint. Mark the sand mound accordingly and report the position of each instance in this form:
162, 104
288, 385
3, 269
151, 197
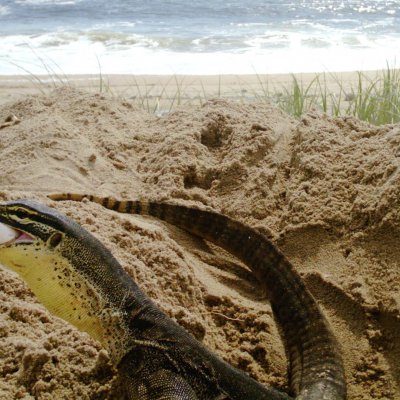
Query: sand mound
326, 190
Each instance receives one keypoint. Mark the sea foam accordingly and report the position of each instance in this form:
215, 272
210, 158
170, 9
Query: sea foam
181, 37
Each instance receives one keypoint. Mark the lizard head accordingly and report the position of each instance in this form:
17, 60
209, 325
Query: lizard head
71, 273
28, 233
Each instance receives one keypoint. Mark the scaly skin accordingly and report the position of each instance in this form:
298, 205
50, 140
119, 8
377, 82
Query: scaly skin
155, 357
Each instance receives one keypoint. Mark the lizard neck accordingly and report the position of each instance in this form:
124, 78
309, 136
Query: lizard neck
109, 297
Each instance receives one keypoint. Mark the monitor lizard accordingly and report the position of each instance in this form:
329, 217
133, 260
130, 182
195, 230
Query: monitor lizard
78, 279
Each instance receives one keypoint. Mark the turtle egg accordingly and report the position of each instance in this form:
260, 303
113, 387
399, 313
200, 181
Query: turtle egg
7, 234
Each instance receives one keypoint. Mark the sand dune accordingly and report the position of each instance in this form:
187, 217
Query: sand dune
326, 190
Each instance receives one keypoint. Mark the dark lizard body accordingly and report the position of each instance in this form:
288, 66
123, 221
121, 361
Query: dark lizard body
157, 359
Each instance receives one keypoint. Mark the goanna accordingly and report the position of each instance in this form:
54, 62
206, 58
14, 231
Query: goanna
78, 279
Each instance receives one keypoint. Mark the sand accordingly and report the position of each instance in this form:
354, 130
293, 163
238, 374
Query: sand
326, 190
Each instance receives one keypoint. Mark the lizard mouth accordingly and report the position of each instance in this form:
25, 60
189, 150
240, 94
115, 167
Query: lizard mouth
11, 235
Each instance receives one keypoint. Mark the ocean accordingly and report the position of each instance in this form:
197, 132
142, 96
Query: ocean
197, 37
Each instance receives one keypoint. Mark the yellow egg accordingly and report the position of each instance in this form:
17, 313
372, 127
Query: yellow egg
7, 234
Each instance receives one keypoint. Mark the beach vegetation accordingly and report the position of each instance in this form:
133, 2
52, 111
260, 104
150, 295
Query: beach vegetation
371, 98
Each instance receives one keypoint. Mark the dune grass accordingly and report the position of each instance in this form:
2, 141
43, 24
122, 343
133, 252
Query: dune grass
375, 100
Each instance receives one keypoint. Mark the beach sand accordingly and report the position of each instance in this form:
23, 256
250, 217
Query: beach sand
325, 190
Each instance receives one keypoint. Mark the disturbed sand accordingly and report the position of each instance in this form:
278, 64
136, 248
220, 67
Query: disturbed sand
326, 190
